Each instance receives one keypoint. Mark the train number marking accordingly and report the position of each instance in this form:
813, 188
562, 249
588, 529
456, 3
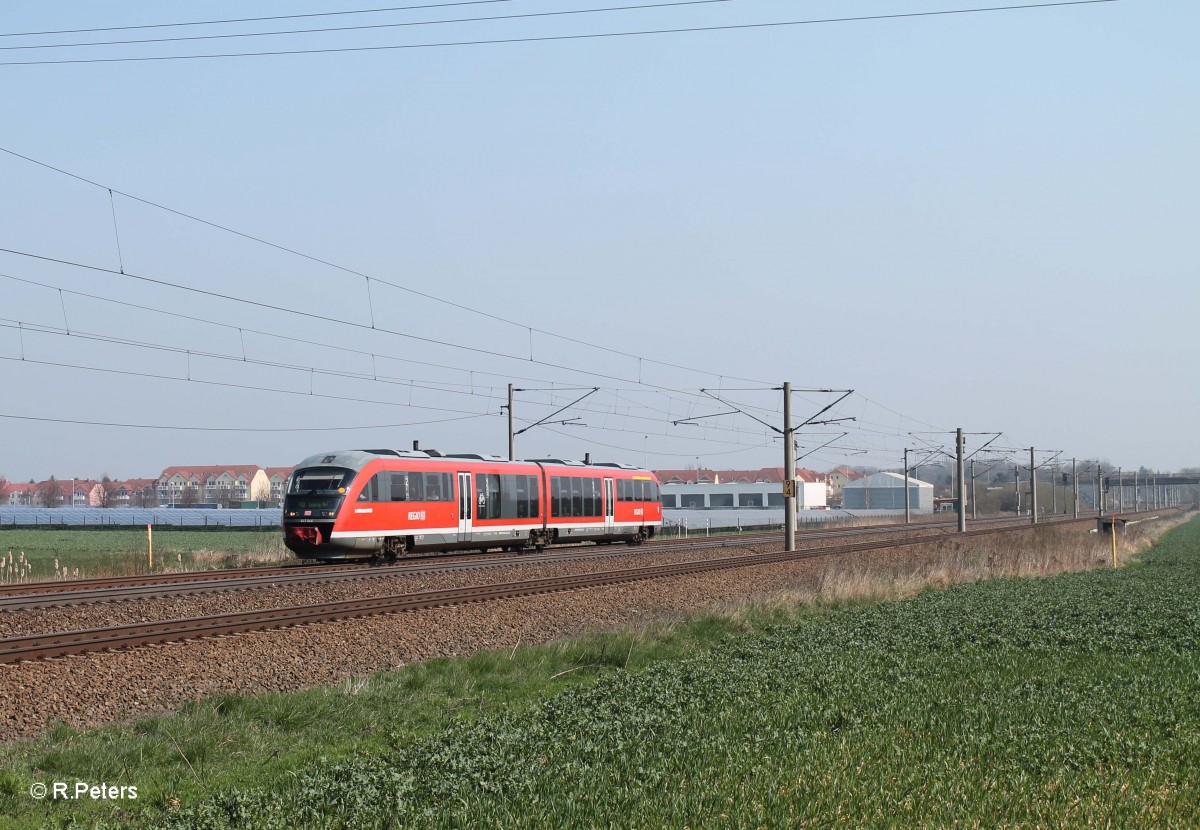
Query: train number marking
364, 510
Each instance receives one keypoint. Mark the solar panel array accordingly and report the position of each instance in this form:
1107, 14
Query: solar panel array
137, 516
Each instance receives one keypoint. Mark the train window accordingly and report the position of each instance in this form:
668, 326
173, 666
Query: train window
437, 487
522, 483
655, 493
534, 497
508, 497
373, 488
576, 496
487, 496
400, 487
320, 480
591, 497
416, 486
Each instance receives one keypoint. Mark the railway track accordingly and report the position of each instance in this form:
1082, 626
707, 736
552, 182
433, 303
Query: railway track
29, 596
59, 644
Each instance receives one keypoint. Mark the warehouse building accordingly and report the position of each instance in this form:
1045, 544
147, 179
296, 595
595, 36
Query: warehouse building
885, 491
809, 495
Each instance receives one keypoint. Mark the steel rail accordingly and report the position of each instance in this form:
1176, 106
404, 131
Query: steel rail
59, 644
58, 594
135, 580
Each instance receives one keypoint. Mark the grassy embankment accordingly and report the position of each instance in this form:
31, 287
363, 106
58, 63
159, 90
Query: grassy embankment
1067, 701
112, 552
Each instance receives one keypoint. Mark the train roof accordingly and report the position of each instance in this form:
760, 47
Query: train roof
357, 459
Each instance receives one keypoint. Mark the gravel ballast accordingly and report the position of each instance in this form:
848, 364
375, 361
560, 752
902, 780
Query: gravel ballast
96, 688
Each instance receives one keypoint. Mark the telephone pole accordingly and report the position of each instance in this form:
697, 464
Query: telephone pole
907, 511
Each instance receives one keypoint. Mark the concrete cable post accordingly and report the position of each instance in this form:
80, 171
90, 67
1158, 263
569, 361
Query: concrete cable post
960, 480
907, 507
789, 470
1017, 487
1033, 505
511, 438
974, 507
1075, 488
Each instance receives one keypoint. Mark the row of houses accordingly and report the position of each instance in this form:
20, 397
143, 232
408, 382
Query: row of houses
225, 485
238, 484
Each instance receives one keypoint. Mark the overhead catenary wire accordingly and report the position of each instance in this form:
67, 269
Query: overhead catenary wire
234, 429
357, 273
312, 371
570, 37
311, 393
323, 317
227, 20
639, 381
370, 26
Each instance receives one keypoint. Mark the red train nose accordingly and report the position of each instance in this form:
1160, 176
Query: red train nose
305, 535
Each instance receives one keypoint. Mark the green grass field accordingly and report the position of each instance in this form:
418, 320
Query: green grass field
110, 552
1062, 702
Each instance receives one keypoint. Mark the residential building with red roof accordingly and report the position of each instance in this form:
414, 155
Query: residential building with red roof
234, 483
278, 477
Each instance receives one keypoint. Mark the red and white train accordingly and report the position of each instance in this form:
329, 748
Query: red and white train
385, 503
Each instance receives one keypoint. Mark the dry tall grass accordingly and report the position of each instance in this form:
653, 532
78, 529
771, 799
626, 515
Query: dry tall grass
896, 573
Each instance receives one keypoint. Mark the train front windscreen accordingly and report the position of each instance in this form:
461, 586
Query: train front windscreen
311, 504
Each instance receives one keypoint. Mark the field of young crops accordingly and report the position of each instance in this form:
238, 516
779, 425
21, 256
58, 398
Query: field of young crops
117, 551
1069, 701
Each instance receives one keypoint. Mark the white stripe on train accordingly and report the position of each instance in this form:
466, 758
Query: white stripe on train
426, 531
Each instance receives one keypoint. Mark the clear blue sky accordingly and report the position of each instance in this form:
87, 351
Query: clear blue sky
980, 220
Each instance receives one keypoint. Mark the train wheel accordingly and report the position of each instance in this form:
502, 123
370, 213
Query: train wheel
393, 548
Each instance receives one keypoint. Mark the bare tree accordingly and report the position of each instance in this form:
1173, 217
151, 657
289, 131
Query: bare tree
144, 496
50, 493
189, 496
106, 496
222, 495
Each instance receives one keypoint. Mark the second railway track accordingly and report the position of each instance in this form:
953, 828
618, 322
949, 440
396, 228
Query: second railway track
59, 644
31, 596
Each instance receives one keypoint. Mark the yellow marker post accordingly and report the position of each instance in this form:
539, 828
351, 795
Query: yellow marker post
1114, 539
150, 546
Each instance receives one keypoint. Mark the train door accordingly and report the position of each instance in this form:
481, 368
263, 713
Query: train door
609, 513
464, 507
